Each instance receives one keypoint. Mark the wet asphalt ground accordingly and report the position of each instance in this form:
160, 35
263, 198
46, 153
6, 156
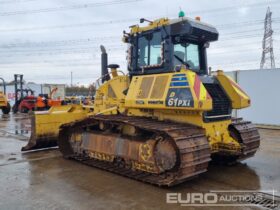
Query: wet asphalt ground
44, 180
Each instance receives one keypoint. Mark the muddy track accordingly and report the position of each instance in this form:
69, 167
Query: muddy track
247, 135
193, 152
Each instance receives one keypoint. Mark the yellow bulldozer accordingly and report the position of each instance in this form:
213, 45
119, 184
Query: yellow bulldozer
165, 120
4, 104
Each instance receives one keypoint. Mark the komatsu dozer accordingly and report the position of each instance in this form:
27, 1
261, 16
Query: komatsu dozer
165, 120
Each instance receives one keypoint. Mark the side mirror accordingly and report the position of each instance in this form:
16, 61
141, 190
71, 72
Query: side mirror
142, 20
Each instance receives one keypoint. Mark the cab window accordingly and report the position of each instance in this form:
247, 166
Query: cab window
187, 54
150, 50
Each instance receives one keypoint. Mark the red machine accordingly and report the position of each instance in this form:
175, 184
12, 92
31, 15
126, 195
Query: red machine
25, 100
28, 103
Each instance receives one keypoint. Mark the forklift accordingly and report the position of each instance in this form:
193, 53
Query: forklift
25, 100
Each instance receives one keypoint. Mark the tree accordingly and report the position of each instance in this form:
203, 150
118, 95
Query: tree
80, 90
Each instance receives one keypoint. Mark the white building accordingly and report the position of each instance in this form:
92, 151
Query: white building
263, 87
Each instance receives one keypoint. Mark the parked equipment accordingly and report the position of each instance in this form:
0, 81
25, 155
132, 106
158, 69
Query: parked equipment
4, 104
24, 98
164, 121
44, 102
72, 100
87, 101
25, 101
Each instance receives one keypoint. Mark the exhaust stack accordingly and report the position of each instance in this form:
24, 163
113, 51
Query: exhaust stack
104, 64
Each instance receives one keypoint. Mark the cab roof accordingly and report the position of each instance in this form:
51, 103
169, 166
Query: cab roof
185, 26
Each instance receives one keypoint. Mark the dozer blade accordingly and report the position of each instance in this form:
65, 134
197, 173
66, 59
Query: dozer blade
45, 125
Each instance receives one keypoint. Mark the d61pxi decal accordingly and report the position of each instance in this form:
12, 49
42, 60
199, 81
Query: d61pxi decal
179, 97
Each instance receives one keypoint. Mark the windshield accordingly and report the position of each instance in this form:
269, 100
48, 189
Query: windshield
187, 54
150, 50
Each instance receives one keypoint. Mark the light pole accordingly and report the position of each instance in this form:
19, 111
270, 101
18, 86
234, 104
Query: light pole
71, 79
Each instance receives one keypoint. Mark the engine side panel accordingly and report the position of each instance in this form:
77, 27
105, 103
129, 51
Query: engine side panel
180, 91
110, 96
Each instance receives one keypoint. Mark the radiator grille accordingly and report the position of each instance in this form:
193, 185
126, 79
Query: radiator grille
159, 87
221, 104
145, 87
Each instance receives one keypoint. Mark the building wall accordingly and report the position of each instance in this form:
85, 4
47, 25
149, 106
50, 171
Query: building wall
263, 87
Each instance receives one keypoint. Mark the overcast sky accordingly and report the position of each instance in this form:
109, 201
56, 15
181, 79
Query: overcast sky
47, 39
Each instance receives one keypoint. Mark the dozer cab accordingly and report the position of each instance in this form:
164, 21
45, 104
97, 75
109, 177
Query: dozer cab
164, 121
4, 104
